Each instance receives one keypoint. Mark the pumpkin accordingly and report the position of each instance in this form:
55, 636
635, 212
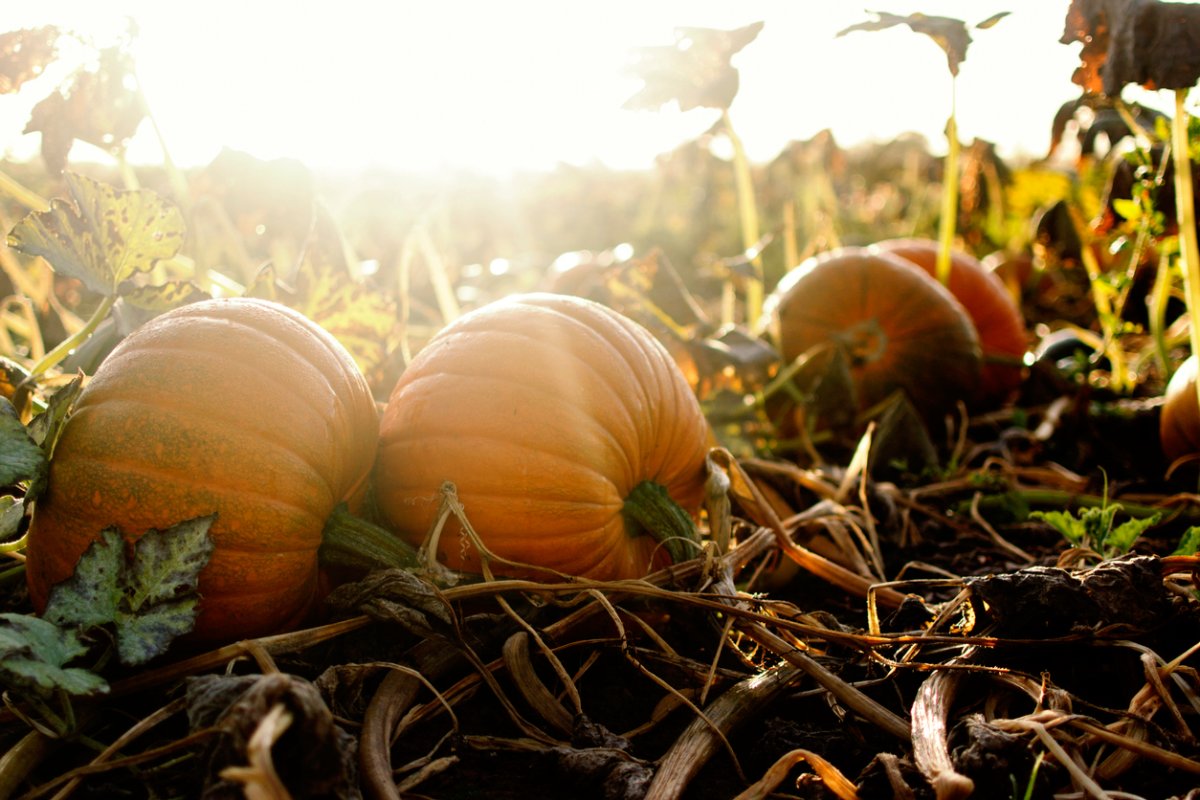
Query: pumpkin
1179, 420
997, 318
240, 407
898, 328
564, 427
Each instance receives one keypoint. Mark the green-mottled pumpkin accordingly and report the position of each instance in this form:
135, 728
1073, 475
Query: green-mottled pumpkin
899, 328
239, 407
551, 415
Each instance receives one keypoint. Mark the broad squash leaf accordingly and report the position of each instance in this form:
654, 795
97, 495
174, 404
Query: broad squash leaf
20, 457
102, 235
150, 598
34, 654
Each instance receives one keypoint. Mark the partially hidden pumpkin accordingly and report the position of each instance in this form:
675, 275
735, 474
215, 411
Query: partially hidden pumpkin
239, 407
897, 328
558, 421
1179, 420
997, 318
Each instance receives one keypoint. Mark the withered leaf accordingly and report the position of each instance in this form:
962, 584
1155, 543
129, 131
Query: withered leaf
1042, 601
24, 54
100, 105
695, 72
950, 34
314, 757
399, 597
1147, 42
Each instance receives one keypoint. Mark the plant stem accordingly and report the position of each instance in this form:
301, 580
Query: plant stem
51, 359
1121, 381
1157, 302
27, 197
1185, 213
748, 213
22, 758
650, 511
351, 541
949, 218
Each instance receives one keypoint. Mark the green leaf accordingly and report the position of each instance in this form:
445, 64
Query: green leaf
91, 597
148, 595
1121, 538
1071, 527
103, 235
166, 563
46, 426
34, 654
12, 511
1129, 209
20, 457
1189, 542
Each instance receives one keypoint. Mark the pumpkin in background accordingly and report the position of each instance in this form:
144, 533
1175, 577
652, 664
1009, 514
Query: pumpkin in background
240, 407
899, 328
997, 318
559, 421
994, 312
1179, 422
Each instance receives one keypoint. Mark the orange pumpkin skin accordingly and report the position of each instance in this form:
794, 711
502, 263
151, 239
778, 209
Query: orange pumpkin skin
545, 411
240, 407
1179, 420
901, 329
997, 318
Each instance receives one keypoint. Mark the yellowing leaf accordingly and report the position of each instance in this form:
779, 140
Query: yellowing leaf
102, 235
165, 296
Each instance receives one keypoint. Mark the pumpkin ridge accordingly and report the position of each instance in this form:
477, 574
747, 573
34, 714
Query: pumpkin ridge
597, 425
477, 496
455, 436
304, 331
639, 343
524, 335
202, 411
673, 428
185, 351
193, 479
629, 341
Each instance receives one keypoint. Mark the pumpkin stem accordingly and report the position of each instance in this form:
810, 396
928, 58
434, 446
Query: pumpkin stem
650, 511
350, 541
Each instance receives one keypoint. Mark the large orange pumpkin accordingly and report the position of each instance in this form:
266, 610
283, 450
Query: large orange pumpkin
240, 407
557, 419
997, 318
899, 328
1179, 422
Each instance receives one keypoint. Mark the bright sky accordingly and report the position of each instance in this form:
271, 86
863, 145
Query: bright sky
500, 86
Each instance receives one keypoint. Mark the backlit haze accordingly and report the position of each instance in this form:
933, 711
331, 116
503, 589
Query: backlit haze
503, 87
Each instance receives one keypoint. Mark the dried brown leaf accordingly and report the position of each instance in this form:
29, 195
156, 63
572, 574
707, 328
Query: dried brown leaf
24, 54
695, 72
1146, 42
100, 106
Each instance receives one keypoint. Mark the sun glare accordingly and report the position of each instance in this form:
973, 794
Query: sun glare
526, 85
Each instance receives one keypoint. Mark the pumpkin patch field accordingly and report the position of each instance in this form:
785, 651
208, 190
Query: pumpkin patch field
867, 471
